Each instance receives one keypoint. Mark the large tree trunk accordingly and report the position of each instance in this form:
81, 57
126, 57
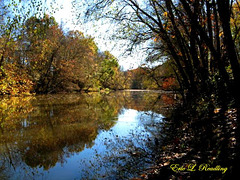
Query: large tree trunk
224, 13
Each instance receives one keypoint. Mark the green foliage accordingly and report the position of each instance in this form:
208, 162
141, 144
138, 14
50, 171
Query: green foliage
109, 73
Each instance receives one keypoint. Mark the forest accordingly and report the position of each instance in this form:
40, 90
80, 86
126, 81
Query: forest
199, 40
39, 56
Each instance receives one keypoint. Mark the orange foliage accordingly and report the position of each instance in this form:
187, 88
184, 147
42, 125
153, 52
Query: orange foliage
167, 99
169, 83
15, 81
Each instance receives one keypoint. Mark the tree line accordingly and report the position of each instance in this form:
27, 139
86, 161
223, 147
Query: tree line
159, 77
201, 37
38, 55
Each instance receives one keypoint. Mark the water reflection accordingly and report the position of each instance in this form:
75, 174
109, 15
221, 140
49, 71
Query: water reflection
80, 136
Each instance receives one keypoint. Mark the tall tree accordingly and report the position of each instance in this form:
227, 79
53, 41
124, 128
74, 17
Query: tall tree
109, 74
78, 55
200, 37
195, 34
41, 39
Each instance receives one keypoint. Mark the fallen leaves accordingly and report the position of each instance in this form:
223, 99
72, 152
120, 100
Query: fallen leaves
203, 141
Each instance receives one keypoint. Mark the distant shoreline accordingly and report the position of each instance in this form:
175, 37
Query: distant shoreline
149, 90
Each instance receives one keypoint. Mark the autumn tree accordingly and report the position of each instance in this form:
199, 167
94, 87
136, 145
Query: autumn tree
13, 16
157, 77
78, 55
14, 75
137, 78
195, 34
41, 41
14, 79
54, 60
200, 36
58, 61
109, 74
162, 77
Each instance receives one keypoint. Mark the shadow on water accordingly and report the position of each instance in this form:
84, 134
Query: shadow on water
88, 136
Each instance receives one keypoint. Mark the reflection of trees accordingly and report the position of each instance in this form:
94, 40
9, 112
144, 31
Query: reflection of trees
13, 112
44, 130
128, 155
161, 103
56, 127
49, 146
14, 108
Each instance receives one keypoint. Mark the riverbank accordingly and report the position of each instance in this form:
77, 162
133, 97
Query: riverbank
183, 146
150, 90
199, 149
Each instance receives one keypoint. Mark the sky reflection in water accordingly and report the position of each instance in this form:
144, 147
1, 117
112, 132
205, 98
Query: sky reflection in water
80, 136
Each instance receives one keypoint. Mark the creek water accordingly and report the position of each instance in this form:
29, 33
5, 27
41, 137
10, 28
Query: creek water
81, 136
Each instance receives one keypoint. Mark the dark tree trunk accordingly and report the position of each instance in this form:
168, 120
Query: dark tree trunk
224, 13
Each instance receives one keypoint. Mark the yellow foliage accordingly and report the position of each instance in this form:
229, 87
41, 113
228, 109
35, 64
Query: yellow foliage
220, 34
165, 14
14, 81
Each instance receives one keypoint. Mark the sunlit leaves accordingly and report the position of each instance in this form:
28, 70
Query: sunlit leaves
159, 77
77, 55
165, 14
15, 81
109, 73
14, 108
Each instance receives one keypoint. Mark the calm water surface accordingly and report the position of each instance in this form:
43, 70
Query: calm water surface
88, 136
